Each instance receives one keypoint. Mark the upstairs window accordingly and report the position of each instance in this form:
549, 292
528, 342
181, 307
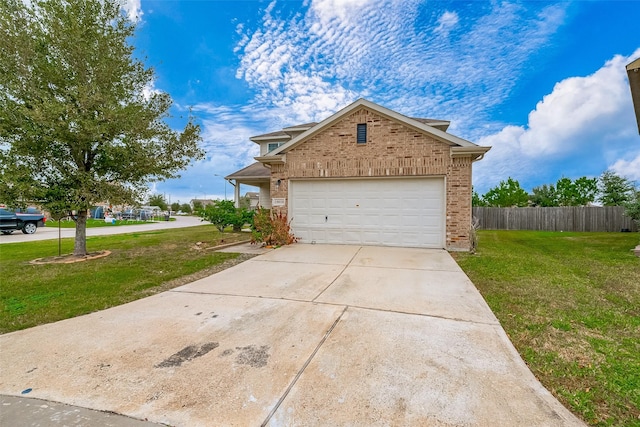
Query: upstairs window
361, 134
273, 145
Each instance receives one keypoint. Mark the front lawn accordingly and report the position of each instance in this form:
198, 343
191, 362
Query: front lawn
140, 264
570, 302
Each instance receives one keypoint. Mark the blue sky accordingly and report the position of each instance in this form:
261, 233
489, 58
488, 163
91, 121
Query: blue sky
542, 82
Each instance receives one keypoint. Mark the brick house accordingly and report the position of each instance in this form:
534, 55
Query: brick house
368, 175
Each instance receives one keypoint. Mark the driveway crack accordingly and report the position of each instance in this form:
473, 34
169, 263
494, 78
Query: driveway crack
304, 367
338, 275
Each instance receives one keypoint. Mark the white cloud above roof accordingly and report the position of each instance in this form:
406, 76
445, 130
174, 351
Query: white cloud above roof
314, 63
582, 119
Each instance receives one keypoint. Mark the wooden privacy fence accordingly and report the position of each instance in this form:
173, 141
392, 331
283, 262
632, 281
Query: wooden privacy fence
566, 218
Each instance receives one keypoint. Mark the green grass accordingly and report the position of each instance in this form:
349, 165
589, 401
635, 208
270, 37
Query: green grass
570, 302
140, 264
93, 223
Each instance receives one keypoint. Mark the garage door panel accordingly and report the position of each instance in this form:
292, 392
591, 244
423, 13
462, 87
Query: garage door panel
333, 203
352, 220
319, 202
391, 212
370, 221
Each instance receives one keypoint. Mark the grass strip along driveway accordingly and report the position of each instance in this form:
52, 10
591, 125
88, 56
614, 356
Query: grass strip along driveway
140, 264
570, 303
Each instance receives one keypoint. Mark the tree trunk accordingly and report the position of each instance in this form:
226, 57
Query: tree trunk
80, 245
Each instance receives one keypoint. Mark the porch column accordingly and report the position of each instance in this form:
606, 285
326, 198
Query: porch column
236, 194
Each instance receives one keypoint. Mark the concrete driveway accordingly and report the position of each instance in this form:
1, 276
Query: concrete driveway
304, 335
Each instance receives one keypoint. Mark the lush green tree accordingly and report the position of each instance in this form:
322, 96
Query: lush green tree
614, 189
197, 206
223, 213
507, 194
586, 189
159, 201
185, 207
80, 122
565, 192
175, 206
580, 192
632, 207
476, 199
544, 196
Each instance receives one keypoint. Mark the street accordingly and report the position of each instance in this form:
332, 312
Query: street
48, 233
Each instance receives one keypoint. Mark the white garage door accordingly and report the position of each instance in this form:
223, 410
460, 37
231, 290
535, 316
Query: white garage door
390, 212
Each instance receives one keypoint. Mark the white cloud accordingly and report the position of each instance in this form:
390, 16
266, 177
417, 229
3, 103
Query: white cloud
133, 9
585, 124
341, 10
337, 51
577, 108
628, 168
446, 22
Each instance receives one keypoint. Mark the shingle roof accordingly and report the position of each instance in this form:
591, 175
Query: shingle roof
303, 126
285, 132
271, 134
255, 170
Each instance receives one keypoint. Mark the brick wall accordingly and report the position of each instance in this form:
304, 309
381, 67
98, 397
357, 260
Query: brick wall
392, 149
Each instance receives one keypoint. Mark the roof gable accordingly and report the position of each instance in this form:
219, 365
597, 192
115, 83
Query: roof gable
421, 125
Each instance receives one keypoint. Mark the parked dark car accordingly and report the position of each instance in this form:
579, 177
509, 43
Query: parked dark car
11, 221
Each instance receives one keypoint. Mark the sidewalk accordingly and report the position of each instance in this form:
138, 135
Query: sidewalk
25, 411
50, 233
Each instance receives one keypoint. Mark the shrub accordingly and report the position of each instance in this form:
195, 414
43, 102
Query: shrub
223, 213
271, 228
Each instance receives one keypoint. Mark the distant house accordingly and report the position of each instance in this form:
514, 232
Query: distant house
253, 199
368, 175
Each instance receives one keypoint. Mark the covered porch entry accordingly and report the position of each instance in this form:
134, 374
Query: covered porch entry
255, 175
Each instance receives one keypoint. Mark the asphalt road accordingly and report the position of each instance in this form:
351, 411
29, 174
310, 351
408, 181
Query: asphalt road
48, 233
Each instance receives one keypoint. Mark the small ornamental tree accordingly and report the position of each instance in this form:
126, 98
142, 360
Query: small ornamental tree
223, 213
79, 121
